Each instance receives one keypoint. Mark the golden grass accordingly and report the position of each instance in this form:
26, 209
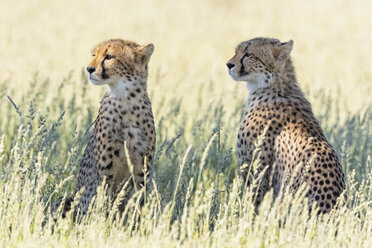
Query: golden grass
193, 99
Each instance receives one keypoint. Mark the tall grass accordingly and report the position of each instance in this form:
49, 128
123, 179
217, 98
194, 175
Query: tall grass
195, 195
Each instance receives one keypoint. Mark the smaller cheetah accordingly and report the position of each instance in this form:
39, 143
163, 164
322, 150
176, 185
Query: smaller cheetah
125, 117
293, 141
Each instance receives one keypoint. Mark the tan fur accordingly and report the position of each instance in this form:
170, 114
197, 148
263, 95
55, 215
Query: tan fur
294, 144
125, 116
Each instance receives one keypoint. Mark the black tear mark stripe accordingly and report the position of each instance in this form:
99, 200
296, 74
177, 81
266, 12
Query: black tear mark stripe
104, 75
242, 68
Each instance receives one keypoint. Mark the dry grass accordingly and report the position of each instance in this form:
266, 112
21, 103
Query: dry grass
193, 99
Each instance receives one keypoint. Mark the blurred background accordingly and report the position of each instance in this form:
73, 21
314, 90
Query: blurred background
193, 40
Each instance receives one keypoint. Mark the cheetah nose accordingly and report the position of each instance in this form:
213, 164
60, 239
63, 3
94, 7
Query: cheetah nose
91, 69
229, 65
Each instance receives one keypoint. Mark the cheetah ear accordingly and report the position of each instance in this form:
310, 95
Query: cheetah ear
281, 52
144, 53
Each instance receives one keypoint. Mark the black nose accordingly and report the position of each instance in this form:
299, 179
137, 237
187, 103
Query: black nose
91, 69
229, 65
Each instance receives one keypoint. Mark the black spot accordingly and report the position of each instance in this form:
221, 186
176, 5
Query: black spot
141, 174
109, 166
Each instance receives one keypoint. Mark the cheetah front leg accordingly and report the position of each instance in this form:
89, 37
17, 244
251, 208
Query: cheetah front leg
256, 171
113, 166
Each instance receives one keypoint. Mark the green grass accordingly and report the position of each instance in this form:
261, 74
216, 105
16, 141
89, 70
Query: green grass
195, 195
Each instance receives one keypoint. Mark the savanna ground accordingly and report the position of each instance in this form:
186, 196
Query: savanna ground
195, 197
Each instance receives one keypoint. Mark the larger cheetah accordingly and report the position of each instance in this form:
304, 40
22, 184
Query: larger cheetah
293, 143
124, 119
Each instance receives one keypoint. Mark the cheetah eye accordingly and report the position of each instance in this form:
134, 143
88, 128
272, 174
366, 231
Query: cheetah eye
93, 55
108, 57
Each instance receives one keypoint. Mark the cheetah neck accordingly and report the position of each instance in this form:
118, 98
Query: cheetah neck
125, 90
258, 82
282, 87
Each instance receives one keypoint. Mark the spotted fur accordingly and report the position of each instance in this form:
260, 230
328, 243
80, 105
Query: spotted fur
294, 148
125, 117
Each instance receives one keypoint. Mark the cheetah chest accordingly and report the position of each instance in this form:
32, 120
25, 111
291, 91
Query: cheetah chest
124, 137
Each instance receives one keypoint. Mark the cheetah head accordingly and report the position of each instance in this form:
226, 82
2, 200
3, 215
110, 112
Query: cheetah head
119, 61
259, 61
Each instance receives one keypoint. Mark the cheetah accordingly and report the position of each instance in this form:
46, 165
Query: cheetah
293, 143
124, 119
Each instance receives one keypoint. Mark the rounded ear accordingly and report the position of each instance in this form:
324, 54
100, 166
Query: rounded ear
144, 53
281, 52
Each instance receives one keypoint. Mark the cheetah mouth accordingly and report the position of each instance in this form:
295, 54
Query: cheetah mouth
231, 72
93, 78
